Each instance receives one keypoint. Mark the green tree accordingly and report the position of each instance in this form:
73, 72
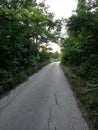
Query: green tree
24, 26
80, 52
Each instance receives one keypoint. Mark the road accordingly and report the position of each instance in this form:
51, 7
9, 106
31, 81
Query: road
44, 102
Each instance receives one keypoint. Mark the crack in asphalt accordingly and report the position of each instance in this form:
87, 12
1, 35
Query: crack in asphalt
50, 90
56, 100
13, 97
55, 128
50, 118
50, 113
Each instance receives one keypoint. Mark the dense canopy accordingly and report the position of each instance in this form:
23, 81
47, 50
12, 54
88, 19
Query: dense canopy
80, 52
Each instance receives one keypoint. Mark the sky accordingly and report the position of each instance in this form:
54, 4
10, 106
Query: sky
54, 47
61, 8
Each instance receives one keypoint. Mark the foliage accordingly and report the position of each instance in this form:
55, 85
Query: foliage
80, 50
55, 55
24, 26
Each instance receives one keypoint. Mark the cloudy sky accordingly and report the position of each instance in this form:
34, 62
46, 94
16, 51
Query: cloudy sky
62, 8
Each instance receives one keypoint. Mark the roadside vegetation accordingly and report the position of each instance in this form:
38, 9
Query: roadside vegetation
55, 56
80, 55
24, 26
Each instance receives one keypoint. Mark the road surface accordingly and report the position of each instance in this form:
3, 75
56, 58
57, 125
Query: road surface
44, 102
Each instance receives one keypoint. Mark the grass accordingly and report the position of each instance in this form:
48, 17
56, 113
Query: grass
7, 83
87, 94
54, 59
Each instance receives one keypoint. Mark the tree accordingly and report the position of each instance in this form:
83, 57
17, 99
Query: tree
80, 52
24, 26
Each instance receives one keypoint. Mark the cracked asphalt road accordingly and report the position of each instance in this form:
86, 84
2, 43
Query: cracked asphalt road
44, 102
